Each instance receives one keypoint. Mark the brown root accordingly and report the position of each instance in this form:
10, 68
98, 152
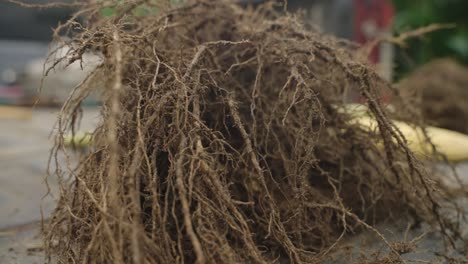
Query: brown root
221, 142
439, 90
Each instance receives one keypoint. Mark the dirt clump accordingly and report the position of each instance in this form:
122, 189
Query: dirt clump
222, 141
440, 89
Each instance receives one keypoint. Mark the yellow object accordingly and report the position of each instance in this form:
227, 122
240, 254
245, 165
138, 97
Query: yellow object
452, 144
79, 140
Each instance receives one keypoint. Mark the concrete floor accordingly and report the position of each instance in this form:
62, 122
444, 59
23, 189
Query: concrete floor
24, 153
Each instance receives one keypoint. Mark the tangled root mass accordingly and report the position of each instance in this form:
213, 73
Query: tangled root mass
222, 142
439, 89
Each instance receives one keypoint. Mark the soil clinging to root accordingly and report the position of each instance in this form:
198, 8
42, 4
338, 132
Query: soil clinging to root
222, 141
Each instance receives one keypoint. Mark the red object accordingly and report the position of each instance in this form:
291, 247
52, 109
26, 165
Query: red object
370, 18
10, 94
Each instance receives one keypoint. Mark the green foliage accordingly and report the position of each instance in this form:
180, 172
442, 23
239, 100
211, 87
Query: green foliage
107, 11
442, 43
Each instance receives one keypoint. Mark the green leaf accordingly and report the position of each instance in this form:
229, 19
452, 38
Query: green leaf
107, 11
459, 45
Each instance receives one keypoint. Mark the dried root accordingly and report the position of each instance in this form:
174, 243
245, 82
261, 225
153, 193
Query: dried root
221, 142
439, 91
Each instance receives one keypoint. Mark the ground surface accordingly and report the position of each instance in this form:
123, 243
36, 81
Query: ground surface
24, 148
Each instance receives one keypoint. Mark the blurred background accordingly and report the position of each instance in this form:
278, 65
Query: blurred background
26, 40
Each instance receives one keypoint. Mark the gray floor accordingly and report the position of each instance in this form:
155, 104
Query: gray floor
24, 152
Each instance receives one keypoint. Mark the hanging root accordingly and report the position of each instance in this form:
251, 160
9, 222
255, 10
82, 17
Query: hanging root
221, 142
